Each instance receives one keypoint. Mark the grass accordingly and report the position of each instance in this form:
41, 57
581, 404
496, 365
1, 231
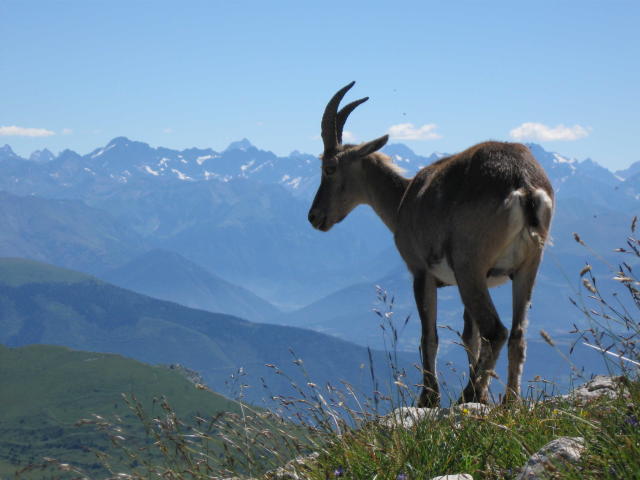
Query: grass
354, 439
358, 444
495, 446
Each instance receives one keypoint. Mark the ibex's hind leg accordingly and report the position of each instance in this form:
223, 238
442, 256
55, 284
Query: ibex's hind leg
471, 341
493, 334
522, 287
425, 291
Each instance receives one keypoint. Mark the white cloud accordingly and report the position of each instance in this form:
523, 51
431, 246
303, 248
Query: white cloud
544, 133
408, 131
13, 131
67, 131
167, 130
348, 137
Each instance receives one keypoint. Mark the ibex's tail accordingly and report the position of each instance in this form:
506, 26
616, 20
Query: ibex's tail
538, 207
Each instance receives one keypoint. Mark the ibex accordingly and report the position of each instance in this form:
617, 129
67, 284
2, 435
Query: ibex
475, 219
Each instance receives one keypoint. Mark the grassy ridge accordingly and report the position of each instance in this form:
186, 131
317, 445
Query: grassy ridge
16, 272
46, 389
81, 312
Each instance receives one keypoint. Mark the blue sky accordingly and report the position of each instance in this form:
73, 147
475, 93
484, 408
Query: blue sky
441, 75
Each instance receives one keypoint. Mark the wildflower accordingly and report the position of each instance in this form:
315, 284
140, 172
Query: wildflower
465, 411
338, 472
402, 476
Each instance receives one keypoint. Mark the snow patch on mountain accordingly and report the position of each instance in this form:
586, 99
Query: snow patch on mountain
181, 175
103, 150
203, 158
151, 171
247, 166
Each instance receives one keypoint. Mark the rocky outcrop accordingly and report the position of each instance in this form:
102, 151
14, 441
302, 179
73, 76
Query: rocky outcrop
597, 387
191, 375
553, 457
294, 469
459, 476
408, 417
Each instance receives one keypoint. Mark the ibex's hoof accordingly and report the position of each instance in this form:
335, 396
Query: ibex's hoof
429, 400
471, 395
510, 398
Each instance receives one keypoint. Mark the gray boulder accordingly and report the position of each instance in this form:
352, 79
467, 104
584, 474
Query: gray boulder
294, 469
598, 386
459, 476
408, 417
551, 457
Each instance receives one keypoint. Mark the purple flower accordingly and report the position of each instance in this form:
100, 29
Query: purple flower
338, 472
402, 476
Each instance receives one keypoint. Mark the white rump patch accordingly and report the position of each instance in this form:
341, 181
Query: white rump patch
545, 204
516, 213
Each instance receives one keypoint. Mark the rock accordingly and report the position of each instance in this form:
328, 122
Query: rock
459, 476
598, 386
562, 450
294, 469
191, 375
407, 417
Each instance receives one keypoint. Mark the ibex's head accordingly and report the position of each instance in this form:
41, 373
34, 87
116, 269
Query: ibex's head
339, 190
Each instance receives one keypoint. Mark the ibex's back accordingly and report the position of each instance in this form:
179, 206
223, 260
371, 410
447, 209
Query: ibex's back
474, 220
493, 200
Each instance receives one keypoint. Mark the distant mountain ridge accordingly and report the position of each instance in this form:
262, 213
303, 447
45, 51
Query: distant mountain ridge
66, 232
241, 214
169, 276
123, 160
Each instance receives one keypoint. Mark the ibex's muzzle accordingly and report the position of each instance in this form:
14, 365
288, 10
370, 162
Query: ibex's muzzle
317, 219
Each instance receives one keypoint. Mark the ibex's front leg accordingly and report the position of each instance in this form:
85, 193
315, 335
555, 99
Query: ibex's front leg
425, 292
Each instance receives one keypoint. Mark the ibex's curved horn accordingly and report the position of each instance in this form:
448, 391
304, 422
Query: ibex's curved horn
329, 118
343, 114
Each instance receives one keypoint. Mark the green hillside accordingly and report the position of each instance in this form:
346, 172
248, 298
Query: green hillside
96, 316
15, 272
46, 389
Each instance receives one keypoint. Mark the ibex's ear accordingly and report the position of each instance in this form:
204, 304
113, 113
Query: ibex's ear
365, 149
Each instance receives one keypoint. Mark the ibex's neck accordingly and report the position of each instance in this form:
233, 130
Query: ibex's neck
384, 188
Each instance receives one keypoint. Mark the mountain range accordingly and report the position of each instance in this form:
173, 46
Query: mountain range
169, 276
239, 216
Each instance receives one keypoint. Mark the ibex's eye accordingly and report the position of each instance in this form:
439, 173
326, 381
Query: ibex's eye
330, 170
